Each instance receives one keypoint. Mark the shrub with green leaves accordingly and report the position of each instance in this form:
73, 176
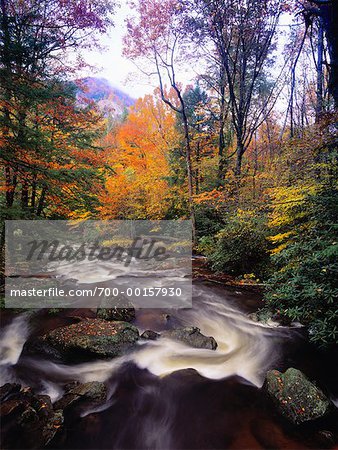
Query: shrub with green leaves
209, 221
241, 246
305, 284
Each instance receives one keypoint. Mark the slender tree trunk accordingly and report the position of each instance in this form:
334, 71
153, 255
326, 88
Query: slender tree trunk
255, 168
24, 194
320, 51
5, 81
189, 173
41, 203
292, 120
329, 14
221, 140
198, 161
10, 186
221, 156
182, 112
239, 152
293, 84
33, 195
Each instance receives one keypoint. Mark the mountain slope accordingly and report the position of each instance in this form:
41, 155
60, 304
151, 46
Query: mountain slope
111, 100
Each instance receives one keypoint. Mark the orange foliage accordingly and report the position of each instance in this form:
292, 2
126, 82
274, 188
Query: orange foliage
58, 159
139, 160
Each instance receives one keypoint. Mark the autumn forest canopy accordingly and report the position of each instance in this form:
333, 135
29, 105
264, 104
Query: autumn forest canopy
247, 149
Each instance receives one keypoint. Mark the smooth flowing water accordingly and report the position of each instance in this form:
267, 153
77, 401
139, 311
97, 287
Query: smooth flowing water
166, 395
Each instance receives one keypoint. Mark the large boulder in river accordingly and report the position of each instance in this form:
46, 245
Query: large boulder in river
191, 336
150, 335
82, 395
8, 389
27, 420
84, 341
296, 397
116, 308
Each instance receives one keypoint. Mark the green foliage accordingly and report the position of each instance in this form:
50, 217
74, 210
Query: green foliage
304, 286
206, 245
241, 246
209, 221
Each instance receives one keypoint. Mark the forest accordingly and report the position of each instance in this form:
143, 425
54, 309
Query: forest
247, 150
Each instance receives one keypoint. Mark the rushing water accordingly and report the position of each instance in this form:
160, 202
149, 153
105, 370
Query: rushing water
12, 341
245, 348
152, 402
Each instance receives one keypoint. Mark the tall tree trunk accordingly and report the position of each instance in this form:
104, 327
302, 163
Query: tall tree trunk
182, 112
24, 194
328, 11
33, 195
221, 156
255, 169
189, 173
320, 51
41, 203
291, 104
10, 177
10, 181
198, 162
221, 140
240, 152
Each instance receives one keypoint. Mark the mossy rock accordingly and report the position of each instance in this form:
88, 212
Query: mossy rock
150, 335
296, 397
84, 341
116, 308
92, 392
28, 420
119, 314
191, 336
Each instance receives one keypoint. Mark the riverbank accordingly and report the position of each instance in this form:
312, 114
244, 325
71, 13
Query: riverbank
202, 272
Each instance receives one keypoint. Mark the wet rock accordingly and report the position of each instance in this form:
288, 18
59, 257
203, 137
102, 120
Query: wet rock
192, 337
83, 341
296, 397
325, 439
254, 317
69, 386
27, 419
11, 406
267, 316
88, 393
150, 335
116, 308
184, 376
44, 405
93, 390
119, 314
52, 427
281, 319
7, 389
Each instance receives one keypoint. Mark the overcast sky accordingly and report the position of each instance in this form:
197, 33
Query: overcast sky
121, 72
111, 65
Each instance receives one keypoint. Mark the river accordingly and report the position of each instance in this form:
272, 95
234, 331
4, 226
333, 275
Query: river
165, 395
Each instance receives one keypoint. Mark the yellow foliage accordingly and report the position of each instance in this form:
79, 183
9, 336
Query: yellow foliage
280, 237
288, 208
138, 188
